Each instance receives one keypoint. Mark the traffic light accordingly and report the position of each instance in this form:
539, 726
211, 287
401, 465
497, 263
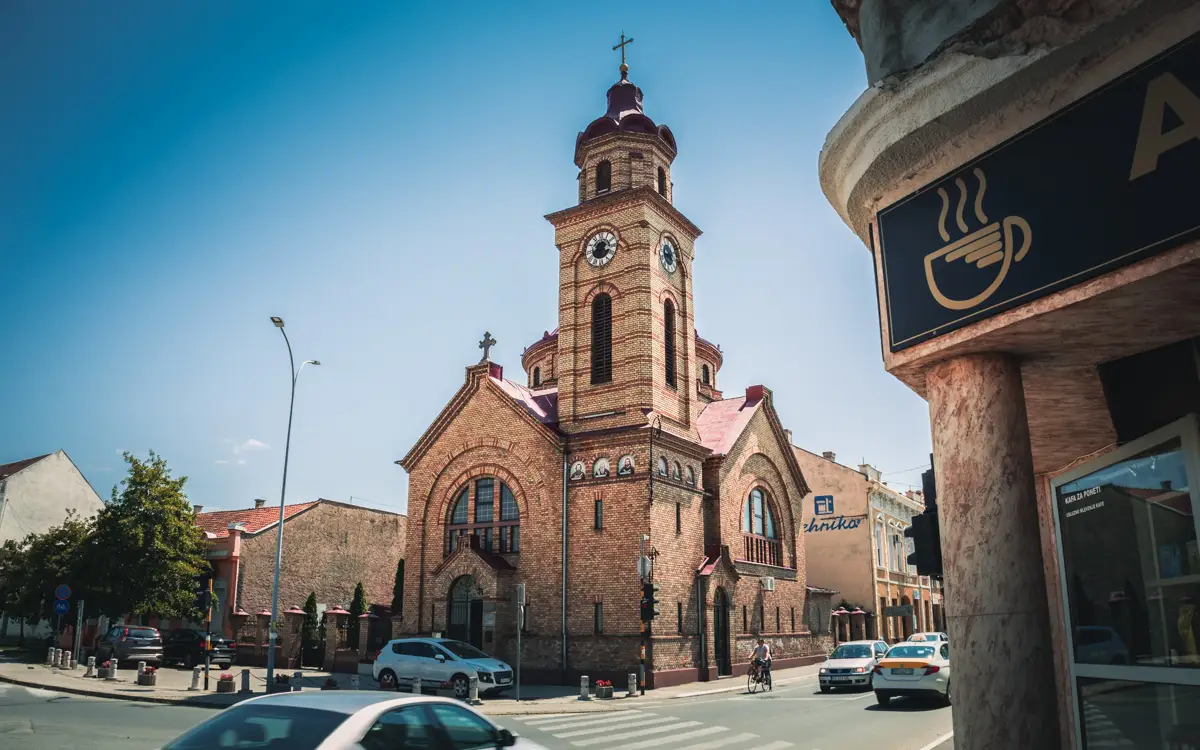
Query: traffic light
926, 532
203, 589
649, 602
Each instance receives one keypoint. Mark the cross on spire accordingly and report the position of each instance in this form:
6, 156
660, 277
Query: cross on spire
621, 46
486, 345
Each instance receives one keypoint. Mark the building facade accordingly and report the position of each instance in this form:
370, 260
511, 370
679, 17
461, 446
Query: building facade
1023, 175
614, 460
854, 533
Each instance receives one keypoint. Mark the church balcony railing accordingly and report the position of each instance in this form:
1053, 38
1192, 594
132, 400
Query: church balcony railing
762, 550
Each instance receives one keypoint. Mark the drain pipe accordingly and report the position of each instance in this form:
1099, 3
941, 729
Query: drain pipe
700, 626
564, 566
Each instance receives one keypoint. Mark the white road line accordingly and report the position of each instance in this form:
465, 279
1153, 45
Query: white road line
535, 717
721, 742
658, 741
773, 746
639, 733
858, 697
626, 725
591, 720
548, 719
938, 741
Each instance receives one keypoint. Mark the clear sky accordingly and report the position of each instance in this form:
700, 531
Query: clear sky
376, 173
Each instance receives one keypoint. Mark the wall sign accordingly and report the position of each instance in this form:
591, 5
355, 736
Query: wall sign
823, 505
835, 523
1105, 182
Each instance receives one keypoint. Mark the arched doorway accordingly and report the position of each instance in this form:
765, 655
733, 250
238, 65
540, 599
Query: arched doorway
721, 633
464, 616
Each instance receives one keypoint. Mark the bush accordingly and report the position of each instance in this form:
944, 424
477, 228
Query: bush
225, 677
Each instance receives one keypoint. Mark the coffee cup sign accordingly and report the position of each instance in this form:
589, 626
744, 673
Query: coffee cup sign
993, 244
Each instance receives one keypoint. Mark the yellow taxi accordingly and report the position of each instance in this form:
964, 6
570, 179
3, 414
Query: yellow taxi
913, 669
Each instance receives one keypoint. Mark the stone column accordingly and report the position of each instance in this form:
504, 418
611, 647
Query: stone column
996, 611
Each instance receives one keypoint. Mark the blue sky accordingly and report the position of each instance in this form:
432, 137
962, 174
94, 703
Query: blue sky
376, 172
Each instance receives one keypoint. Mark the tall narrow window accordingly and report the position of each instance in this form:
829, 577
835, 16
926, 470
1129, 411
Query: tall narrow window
678, 518
603, 177
703, 374
880, 550
778, 627
662, 182
510, 520
679, 616
669, 335
537, 376
601, 339
485, 490
793, 619
599, 522
598, 618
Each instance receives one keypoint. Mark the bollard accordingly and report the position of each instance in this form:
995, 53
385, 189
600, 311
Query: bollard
196, 671
50, 657
91, 667
141, 668
70, 661
245, 681
473, 692
416, 688
632, 685
62, 658
56, 657
583, 689
112, 669
296, 677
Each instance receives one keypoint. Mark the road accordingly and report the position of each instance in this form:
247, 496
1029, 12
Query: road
793, 716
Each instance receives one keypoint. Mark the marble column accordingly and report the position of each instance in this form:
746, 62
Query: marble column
996, 609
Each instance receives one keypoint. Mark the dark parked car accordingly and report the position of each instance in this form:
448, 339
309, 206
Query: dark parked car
186, 647
130, 643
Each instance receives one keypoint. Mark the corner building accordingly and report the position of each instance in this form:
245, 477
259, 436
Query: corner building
617, 443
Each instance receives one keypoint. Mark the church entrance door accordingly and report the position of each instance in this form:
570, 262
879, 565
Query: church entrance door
721, 633
464, 618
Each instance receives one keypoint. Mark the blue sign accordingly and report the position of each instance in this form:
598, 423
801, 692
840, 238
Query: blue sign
62, 592
823, 505
837, 523
61, 607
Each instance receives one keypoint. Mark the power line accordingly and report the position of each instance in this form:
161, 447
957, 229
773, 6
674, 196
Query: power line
905, 471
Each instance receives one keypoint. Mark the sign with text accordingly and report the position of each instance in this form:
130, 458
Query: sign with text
1105, 182
900, 610
833, 523
823, 505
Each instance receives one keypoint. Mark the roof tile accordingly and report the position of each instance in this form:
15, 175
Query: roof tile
256, 519
722, 422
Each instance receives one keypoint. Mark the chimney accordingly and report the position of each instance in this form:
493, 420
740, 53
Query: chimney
829, 456
197, 508
871, 472
236, 526
259, 502
754, 394
495, 370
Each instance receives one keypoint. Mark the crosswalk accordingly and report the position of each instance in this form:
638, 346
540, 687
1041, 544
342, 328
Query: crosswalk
638, 730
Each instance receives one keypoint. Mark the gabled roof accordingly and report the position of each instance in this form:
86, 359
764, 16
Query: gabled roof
7, 470
257, 520
722, 422
541, 403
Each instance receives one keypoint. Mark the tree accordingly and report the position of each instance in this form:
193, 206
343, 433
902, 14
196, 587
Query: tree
30, 570
358, 606
398, 590
308, 632
146, 548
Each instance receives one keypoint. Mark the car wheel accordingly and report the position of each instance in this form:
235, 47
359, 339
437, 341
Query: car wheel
883, 699
189, 661
462, 686
948, 700
388, 681
825, 688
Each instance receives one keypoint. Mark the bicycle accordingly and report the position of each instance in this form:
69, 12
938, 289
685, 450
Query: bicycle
757, 677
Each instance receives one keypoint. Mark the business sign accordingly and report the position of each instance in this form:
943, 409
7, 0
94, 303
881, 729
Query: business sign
823, 505
900, 610
1101, 184
833, 523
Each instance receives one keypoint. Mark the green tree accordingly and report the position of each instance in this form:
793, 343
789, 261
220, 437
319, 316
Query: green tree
398, 590
31, 569
358, 606
308, 632
146, 548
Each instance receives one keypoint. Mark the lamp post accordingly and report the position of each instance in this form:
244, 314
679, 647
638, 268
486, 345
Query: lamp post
274, 631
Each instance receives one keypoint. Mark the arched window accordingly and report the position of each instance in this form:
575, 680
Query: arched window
662, 182
897, 553
880, 549
601, 339
537, 376
662, 466
669, 335
704, 374
473, 514
760, 534
603, 177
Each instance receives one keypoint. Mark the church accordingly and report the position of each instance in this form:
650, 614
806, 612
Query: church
614, 461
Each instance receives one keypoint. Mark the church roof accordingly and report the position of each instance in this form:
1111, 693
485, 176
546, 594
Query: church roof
625, 115
542, 403
722, 422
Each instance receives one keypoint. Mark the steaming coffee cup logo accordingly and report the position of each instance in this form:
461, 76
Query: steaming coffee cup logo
994, 244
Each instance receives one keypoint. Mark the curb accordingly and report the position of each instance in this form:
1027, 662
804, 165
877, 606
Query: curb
734, 688
198, 702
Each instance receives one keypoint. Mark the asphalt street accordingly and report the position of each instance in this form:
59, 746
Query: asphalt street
791, 716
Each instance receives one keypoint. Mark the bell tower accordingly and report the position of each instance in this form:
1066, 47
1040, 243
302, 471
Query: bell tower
627, 343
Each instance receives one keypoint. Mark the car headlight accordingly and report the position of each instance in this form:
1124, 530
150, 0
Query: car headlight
860, 670
824, 670
485, 676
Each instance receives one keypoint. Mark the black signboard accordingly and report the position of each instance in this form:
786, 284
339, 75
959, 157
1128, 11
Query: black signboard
1109, 180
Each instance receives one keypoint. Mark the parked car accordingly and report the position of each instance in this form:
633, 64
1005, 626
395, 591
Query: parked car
921, 637
358, 720
851, 665
130, 643
913, 669
441, 662
186, 647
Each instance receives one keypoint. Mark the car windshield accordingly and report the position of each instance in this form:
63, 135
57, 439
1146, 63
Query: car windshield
259, 725
910, 652
857, 651
463, 650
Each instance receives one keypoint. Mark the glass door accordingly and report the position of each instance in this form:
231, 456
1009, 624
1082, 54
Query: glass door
1130, 577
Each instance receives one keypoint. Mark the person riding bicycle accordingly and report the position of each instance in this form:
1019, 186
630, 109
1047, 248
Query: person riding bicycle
762, 659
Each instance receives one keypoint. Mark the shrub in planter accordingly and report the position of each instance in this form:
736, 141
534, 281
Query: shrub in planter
149, 676
225, 683
604, 689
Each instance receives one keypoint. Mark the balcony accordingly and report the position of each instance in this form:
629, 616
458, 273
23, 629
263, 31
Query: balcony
762, 550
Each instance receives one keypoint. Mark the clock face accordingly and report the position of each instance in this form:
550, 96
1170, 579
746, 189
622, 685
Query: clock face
668, 257
601, 248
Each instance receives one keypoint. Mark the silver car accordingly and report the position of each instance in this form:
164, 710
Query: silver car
851, 665
350, 720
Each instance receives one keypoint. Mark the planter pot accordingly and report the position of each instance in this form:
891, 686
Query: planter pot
148, 679
604, 692
225, 687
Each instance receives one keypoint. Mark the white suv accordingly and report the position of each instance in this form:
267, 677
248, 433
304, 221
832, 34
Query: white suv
440, 663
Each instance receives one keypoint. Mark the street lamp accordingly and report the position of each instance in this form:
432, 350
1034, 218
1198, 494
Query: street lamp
282, 494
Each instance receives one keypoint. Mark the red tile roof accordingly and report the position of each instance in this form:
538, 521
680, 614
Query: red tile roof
541, 403
256, 519
722, 422
7, 470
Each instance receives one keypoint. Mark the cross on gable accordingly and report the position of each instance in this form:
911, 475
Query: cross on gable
486, 345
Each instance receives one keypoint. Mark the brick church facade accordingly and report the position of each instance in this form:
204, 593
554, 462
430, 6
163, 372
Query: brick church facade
616, 442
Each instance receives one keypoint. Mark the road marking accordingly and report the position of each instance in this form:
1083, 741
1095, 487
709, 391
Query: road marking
639, 733
858, 697
546, 720
626, 725
773, 746
587, 721
535, 717
938, 741
674, 738
721, 742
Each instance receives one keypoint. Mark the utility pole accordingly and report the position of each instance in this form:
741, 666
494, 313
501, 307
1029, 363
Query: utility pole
208, 632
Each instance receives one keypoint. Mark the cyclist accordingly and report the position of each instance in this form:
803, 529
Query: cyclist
762, 659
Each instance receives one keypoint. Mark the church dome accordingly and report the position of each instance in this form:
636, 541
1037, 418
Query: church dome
624, 115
